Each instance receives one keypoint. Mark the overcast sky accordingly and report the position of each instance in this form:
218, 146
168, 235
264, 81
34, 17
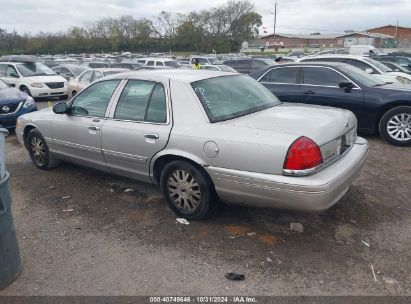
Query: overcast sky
293, 16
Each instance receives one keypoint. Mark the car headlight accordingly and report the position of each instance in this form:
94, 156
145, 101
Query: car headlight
29, 102
37, 85
403, 80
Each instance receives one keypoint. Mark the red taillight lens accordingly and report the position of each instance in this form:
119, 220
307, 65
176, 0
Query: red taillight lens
303, 154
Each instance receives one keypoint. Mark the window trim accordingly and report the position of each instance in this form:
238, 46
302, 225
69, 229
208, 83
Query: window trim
109, 105
298, 78
117, 99
357, 87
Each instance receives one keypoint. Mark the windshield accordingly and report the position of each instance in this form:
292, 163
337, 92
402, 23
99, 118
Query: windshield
378, 65
229, 97
360, 76
3, 85
34, 69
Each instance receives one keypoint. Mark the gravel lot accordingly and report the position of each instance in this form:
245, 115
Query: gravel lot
117, 242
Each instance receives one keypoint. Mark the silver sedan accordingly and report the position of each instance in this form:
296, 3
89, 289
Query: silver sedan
203, 137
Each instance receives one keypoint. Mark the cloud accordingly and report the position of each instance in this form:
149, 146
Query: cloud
294, 16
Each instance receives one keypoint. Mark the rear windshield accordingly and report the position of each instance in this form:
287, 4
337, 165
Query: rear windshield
228, 97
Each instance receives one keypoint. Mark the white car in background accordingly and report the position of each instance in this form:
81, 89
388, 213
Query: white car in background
218, 67
31, 77
161, 62
84, 79
366, 64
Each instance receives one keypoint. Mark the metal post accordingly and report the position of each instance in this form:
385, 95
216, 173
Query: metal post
10, 263
275, 21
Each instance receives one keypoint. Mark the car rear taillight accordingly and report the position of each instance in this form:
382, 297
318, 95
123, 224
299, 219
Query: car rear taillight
303, 154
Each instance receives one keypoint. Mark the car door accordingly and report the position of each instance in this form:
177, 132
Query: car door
77, 134
139, 127
11, 77
321, 86
283, 82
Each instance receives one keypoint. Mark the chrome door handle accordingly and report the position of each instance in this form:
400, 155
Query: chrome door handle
95, 128
151, 136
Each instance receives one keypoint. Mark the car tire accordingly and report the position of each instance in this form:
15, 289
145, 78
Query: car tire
39, 151
26, 90
188, 190
74, 93
395, 126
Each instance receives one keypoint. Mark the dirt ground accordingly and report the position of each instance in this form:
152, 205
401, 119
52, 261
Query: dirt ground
81, 233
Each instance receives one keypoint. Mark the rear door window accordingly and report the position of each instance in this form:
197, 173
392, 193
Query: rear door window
150, 63
142, 101
282, 75
320, 76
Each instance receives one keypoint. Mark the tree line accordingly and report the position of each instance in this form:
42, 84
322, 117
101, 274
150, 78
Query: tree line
221, 29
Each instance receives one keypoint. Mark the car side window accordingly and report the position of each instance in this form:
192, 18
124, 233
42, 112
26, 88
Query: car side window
96, 75
322, 77
3, 68
361, 65
142, 101
150, 63
282, 75
11, 71
93, 101
159, 63
86, 77
64, 70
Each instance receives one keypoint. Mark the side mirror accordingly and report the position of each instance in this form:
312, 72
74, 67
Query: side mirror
369, 70
14, 75
60, 108
346, 85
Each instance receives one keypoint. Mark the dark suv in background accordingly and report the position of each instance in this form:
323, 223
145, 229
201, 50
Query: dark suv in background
248, 65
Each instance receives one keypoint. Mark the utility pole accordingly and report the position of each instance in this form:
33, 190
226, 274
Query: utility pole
275, 21
396, 29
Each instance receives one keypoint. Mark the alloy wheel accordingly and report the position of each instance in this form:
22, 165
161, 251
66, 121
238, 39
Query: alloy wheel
184, 191
38, 151
399, 127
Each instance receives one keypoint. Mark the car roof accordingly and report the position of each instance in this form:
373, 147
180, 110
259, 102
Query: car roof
183, 75
335, 56
157, 58
311, 63
110, 69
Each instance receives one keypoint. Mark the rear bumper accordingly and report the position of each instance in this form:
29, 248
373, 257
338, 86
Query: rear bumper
316, 192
